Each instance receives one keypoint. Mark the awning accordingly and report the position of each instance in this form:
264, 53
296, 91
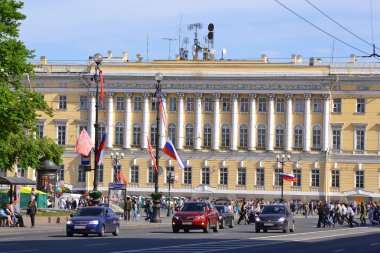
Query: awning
16, 181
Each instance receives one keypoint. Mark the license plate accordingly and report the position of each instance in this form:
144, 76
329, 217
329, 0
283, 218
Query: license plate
187, 223
79, 227
268, 224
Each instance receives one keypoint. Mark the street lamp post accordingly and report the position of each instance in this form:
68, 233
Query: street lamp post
116, 163
156, 203
282, 160
169, 179
97, 58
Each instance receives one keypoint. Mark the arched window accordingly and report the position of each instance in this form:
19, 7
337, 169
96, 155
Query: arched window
172, 133
189, 135
225, 135
137, 134
101, 131
298, 136
119, 132
153, 131
261, 136
244, 135
279, 136
317, 136
207, 135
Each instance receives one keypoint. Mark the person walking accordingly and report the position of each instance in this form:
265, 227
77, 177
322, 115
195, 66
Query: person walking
351, 215
243, 213
32, 206
363, 212
127, 209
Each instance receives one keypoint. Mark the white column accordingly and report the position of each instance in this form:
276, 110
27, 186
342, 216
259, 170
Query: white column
163, 128
181, 120
234, 122
92, 116
215, 143
252, 122
271, 133
110, 121
198, 121
145, 127
128, 120
326, 121
289, 123
307, 124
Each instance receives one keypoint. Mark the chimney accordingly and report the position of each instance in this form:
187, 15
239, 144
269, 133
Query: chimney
311, 61
294, 58
319, 60
353, 58
109, 54
43, 60
264, 58
299, 58
124, 56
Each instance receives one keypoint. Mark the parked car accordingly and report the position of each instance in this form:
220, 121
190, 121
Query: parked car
196, 215
93, 220
275, 217
226, 217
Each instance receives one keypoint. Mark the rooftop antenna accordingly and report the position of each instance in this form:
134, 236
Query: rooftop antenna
183, 49
179, 35
170, 42
196, 47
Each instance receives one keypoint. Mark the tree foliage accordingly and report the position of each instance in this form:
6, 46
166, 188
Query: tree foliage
20, 107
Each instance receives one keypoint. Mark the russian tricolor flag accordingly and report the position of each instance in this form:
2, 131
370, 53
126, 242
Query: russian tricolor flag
288, 177
99, 153
169, 149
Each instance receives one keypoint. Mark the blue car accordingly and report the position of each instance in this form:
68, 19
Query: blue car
93, 220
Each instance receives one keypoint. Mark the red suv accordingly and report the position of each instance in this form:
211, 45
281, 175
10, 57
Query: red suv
196, 215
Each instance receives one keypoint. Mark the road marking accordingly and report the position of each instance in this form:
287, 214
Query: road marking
96, 244
26, 250
8, 238
373, 244
338, 250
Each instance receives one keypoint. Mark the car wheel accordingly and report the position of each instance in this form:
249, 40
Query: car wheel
186, 230
265, 230
222, 224
207, 228
85, 235
175, 230
257, 230
293, 228
232, 225
117, 231
69, 234
286, 228
216, 228
102, 230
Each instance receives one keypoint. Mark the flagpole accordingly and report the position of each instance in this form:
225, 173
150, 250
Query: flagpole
97, 58
282, 160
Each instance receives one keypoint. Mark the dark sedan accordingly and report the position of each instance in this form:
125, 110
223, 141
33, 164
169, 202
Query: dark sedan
275, 217
226, 217
93, 220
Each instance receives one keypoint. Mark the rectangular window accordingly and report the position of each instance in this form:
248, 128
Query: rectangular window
135, 174
243, 137
61, 135
297, 174
360, 139
172, 104
316, 137
337, 105
359, 179
207, 137
154, 104
317, 105
151, 175
360, 105
262, 104
137, 104
21, 172
100, 172
335, 178
208, 104
83, 103
243, 104
206, 176
336, 138
120, 103
62, 102
315, 178
61, 173
187, 175
190, 104
280, 104
261, 135
279, 137
242, 175
299, 105
277, 181
223, 176
40, 131
226, 104
81, 174
260, 176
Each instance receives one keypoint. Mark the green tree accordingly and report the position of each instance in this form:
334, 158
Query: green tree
20, 106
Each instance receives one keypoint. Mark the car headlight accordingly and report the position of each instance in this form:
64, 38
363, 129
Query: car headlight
258, 219
94, 222
281, 219
220, 217
69, 222
200, 217
176, 217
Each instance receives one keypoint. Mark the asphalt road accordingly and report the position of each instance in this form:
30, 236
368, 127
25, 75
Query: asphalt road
145, 237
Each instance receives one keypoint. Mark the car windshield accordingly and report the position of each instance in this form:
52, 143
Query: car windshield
193, 207
220, 209
273, 210
89, 212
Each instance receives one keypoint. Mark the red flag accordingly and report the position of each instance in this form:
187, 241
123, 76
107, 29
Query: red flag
151, 155
84, 144
120, 175
101, 87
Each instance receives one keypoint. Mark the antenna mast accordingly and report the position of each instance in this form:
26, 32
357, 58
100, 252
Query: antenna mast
170, 42
197, 46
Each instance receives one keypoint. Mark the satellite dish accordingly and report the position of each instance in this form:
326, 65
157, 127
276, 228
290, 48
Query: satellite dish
211, 27
224, 51
210, 35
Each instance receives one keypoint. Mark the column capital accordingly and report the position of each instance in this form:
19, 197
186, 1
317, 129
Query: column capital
289, 96
198, 95
216, 96
234, 96
110, 94
326, 96
252, 96
145, 95
128, 94
271, 96
181, 95
307, 96
92, 94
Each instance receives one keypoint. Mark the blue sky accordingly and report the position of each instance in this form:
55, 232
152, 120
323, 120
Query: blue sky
72, 30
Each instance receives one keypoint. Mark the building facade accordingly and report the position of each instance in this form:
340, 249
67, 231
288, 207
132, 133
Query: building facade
228, 121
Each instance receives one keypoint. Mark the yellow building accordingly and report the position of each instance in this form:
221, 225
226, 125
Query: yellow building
228, 120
